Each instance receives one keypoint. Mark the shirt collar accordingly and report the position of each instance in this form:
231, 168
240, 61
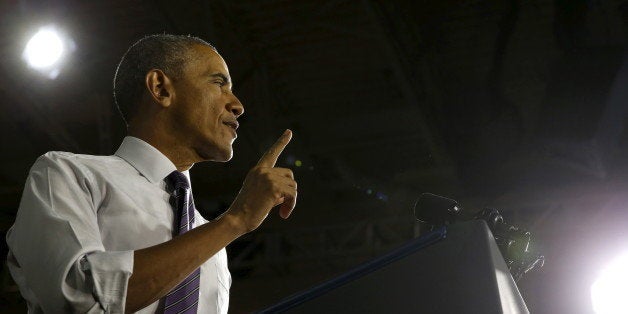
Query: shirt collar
148, 160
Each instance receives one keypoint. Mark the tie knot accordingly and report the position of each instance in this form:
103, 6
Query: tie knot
178, 180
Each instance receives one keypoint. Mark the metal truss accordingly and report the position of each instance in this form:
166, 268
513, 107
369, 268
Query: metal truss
325, 245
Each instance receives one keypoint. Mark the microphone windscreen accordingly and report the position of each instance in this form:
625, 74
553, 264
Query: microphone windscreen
435, 209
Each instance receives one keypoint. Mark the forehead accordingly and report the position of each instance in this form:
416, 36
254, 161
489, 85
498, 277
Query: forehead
205, 59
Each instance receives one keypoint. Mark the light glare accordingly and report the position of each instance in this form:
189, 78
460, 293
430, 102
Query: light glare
609, 292
44, 49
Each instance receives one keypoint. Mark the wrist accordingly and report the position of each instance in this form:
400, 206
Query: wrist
235, 223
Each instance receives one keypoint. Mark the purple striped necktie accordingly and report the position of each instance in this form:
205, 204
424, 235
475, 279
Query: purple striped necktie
184, 297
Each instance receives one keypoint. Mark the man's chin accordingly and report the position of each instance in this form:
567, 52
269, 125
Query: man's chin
224, 159
219, 156
228, 154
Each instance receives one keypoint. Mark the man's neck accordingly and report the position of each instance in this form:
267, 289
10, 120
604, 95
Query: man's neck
180, 155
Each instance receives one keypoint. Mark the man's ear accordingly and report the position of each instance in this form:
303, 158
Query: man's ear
159, 87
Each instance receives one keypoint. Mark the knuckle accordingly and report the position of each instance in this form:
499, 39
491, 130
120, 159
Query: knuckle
287, 172
260, 171
267, 175
275, 186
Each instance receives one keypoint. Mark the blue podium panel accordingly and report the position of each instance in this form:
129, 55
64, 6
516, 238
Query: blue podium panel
454, 270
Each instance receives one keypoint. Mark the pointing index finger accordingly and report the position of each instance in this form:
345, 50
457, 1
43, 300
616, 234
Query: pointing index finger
269, 159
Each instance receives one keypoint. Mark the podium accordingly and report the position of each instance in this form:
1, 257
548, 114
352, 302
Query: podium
454, 269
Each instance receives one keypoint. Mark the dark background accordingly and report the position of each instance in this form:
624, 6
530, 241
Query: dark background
515, 104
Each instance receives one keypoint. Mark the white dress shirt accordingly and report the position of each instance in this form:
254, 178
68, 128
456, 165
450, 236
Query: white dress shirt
79, 221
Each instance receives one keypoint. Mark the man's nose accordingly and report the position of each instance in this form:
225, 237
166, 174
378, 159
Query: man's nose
235, 106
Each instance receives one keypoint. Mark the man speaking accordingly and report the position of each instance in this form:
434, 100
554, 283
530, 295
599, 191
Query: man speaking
120, 233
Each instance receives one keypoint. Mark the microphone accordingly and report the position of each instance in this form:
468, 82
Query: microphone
436, 210
513, 242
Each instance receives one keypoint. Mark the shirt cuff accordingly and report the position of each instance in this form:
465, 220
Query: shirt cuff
110, 272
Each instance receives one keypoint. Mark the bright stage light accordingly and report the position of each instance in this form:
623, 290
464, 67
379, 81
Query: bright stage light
46, 49
609, 292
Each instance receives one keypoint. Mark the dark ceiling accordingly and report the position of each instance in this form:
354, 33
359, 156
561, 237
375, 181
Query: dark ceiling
518, 105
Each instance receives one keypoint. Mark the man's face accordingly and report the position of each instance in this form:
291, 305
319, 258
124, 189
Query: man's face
204, 108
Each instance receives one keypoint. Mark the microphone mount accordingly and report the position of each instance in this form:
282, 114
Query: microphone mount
513, 242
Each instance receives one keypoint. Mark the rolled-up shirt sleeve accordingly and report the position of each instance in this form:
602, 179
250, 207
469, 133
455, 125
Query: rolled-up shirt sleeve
57, 257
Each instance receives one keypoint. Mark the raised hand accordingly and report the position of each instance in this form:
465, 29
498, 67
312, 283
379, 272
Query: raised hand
265, 187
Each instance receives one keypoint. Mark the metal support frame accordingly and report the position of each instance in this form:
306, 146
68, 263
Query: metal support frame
259, 71
329, 245
398, 64
36, 115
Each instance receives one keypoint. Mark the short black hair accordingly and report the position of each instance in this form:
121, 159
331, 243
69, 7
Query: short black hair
166, 52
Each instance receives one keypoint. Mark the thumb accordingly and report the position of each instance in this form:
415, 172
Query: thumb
287, 207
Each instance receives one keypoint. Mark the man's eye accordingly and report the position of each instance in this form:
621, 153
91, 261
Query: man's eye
220, 83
